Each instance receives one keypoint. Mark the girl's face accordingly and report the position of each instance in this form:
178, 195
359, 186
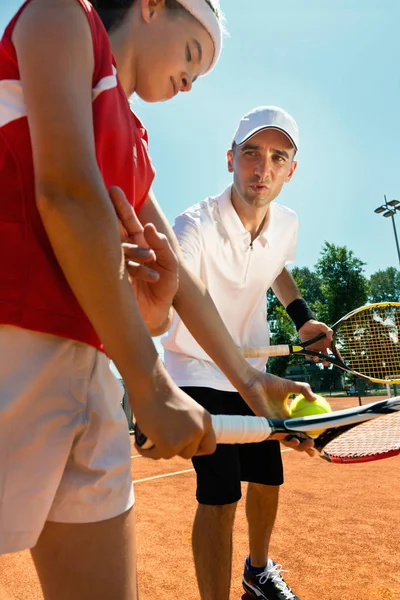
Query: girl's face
175, 49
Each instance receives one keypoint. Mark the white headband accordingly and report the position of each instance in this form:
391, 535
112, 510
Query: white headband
202, 11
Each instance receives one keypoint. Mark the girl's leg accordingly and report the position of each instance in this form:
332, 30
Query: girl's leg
88, 561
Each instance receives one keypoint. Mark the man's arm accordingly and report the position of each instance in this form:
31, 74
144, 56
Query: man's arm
287, 292
285, 288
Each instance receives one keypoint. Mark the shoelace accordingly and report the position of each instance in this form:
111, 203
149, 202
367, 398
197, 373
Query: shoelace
274, 573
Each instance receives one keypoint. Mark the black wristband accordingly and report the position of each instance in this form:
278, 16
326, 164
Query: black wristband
299, 312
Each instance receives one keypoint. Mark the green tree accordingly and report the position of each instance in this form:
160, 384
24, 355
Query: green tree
385, 286
336, 286
343, 284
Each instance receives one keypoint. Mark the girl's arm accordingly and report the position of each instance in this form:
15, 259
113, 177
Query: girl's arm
55, 55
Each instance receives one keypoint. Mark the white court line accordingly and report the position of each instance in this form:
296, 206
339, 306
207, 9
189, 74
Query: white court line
164, 475
178, 472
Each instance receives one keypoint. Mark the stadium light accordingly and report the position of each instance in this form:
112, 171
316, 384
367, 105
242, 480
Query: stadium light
389, 210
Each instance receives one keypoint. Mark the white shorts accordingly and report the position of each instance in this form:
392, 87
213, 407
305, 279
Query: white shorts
64, 438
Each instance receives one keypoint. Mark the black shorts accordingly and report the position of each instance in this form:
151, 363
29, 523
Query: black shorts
219, 475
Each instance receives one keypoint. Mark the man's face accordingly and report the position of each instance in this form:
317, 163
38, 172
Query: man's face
261, 166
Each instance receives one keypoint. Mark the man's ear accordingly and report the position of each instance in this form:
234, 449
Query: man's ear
229, 158
292, 170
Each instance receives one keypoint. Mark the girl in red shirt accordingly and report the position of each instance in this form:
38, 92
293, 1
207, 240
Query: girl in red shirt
67, 135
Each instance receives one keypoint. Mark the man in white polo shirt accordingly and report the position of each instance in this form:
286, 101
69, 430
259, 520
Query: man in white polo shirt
239, 243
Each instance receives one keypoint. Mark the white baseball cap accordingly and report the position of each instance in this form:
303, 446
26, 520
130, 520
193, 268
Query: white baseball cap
267, 117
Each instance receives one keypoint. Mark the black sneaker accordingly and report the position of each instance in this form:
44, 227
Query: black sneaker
269, 584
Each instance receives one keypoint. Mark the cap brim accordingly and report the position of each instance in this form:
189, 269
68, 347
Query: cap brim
239, 141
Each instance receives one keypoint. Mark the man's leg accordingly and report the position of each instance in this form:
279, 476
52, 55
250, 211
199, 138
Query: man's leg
217, 494
261, 510
87, 561
262, 577
212, 550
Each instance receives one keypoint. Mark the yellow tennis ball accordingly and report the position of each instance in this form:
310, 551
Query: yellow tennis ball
300, 407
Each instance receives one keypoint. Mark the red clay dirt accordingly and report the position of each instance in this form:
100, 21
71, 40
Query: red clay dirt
336, 533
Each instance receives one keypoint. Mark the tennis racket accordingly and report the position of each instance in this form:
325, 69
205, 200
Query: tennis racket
366, 343
353, 435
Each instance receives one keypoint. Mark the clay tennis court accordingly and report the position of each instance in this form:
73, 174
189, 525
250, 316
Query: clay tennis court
337, 531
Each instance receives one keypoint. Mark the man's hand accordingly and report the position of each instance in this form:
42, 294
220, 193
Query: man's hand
151, 263
267, 396
313, 328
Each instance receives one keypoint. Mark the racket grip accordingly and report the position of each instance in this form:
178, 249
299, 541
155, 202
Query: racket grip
282, 350
142, 440
229, 429
237, 429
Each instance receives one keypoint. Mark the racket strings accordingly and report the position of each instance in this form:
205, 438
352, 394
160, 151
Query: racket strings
369, 342
377, 438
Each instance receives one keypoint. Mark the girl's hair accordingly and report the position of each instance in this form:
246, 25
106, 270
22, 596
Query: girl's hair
112, 12
206, 12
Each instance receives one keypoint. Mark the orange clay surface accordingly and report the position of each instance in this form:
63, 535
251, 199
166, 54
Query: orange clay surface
337, 532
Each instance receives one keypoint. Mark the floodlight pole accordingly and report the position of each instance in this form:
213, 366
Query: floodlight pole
396, 238
392, 210
395, 232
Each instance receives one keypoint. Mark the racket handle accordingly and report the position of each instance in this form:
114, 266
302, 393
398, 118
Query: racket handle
229, 429
237, 429
282, 350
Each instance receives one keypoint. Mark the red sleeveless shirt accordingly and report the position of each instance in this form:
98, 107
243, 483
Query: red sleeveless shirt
34, 293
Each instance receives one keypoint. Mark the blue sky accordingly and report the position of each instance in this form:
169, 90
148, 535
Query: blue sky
335, 67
